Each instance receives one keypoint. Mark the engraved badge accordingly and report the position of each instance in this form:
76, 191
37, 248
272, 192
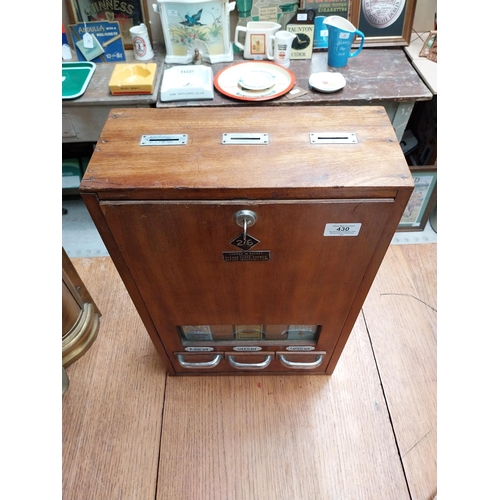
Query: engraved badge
382, 14
245, 242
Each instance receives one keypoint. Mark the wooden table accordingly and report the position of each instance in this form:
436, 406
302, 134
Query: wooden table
84, 117
375, 77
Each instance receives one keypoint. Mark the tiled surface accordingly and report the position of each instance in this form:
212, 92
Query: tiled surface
79, 234
81, 239
426, 68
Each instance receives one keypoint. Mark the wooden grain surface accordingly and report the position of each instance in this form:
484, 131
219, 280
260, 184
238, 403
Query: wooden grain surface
289, 166
112, 409
98, 93
266, 437
375, 76
405, 350
295, 437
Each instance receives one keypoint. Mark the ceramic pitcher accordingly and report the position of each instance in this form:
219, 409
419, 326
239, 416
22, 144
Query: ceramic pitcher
258, 39
341, 34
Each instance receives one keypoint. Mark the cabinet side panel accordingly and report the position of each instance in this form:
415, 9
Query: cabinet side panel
92, 203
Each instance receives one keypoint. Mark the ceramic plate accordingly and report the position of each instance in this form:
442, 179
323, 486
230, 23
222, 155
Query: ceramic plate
327, 82
227, 81
257, 80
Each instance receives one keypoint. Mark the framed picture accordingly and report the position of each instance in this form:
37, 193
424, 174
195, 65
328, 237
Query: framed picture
429, 49
385, 23
127, 13
196, 29
422, 200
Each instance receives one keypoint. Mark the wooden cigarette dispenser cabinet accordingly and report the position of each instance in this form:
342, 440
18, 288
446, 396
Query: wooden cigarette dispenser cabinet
248, 237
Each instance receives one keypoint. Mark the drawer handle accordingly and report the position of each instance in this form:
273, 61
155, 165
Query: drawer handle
249, 366
204, 364
301, 366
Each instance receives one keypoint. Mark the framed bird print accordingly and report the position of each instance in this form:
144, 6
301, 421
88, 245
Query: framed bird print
196, 30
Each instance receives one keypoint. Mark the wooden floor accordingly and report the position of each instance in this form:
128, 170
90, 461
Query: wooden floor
366, 432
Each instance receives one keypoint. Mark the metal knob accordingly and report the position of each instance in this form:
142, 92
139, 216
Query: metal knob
245, 216
245, 219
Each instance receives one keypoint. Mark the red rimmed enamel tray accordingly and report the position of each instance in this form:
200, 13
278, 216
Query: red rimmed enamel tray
227, 81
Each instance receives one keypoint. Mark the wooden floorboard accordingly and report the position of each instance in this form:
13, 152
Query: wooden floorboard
282, 437
366, 432
111, 413
400, 313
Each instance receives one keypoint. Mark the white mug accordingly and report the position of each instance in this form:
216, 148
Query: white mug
258, 39
282, 47
143, 51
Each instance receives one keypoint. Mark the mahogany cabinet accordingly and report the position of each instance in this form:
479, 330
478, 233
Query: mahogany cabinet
248, 237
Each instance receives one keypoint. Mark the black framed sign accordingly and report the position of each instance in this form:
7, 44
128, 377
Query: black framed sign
384, 23
127, 13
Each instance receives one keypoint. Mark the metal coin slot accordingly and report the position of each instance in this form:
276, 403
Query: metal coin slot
248, 138
333, 138
164, 140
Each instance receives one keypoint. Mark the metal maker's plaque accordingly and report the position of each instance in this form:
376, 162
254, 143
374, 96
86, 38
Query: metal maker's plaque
260, 256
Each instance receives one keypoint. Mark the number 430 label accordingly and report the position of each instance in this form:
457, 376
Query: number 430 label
347, 229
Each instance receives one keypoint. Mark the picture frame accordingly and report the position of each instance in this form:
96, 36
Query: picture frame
127, 13
429, 49
196, 30
422, 200
387, 24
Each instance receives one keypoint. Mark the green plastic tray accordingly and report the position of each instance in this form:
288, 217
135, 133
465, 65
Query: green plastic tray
75, 78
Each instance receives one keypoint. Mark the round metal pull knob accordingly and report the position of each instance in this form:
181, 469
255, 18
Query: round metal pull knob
245, 217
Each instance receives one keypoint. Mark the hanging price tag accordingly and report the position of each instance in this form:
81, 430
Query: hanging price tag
88, 41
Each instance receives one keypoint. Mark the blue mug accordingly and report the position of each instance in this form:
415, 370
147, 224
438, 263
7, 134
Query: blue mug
320, 33
341, 34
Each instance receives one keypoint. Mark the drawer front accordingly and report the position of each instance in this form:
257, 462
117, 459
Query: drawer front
250, 362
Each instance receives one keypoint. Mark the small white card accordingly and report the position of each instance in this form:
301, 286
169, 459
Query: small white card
88, 41
344, 229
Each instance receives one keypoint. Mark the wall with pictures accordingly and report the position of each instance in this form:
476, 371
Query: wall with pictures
261, 9
424, 15
154, 20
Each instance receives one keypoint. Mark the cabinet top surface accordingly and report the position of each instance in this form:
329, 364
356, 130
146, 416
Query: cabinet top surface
289, 163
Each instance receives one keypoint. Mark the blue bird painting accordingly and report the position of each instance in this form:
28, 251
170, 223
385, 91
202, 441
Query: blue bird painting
193, 20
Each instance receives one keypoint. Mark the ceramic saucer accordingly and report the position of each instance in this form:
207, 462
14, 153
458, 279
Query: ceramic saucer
327, 82
257, 80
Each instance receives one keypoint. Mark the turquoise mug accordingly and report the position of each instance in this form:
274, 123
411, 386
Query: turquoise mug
341, 34
320, 33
